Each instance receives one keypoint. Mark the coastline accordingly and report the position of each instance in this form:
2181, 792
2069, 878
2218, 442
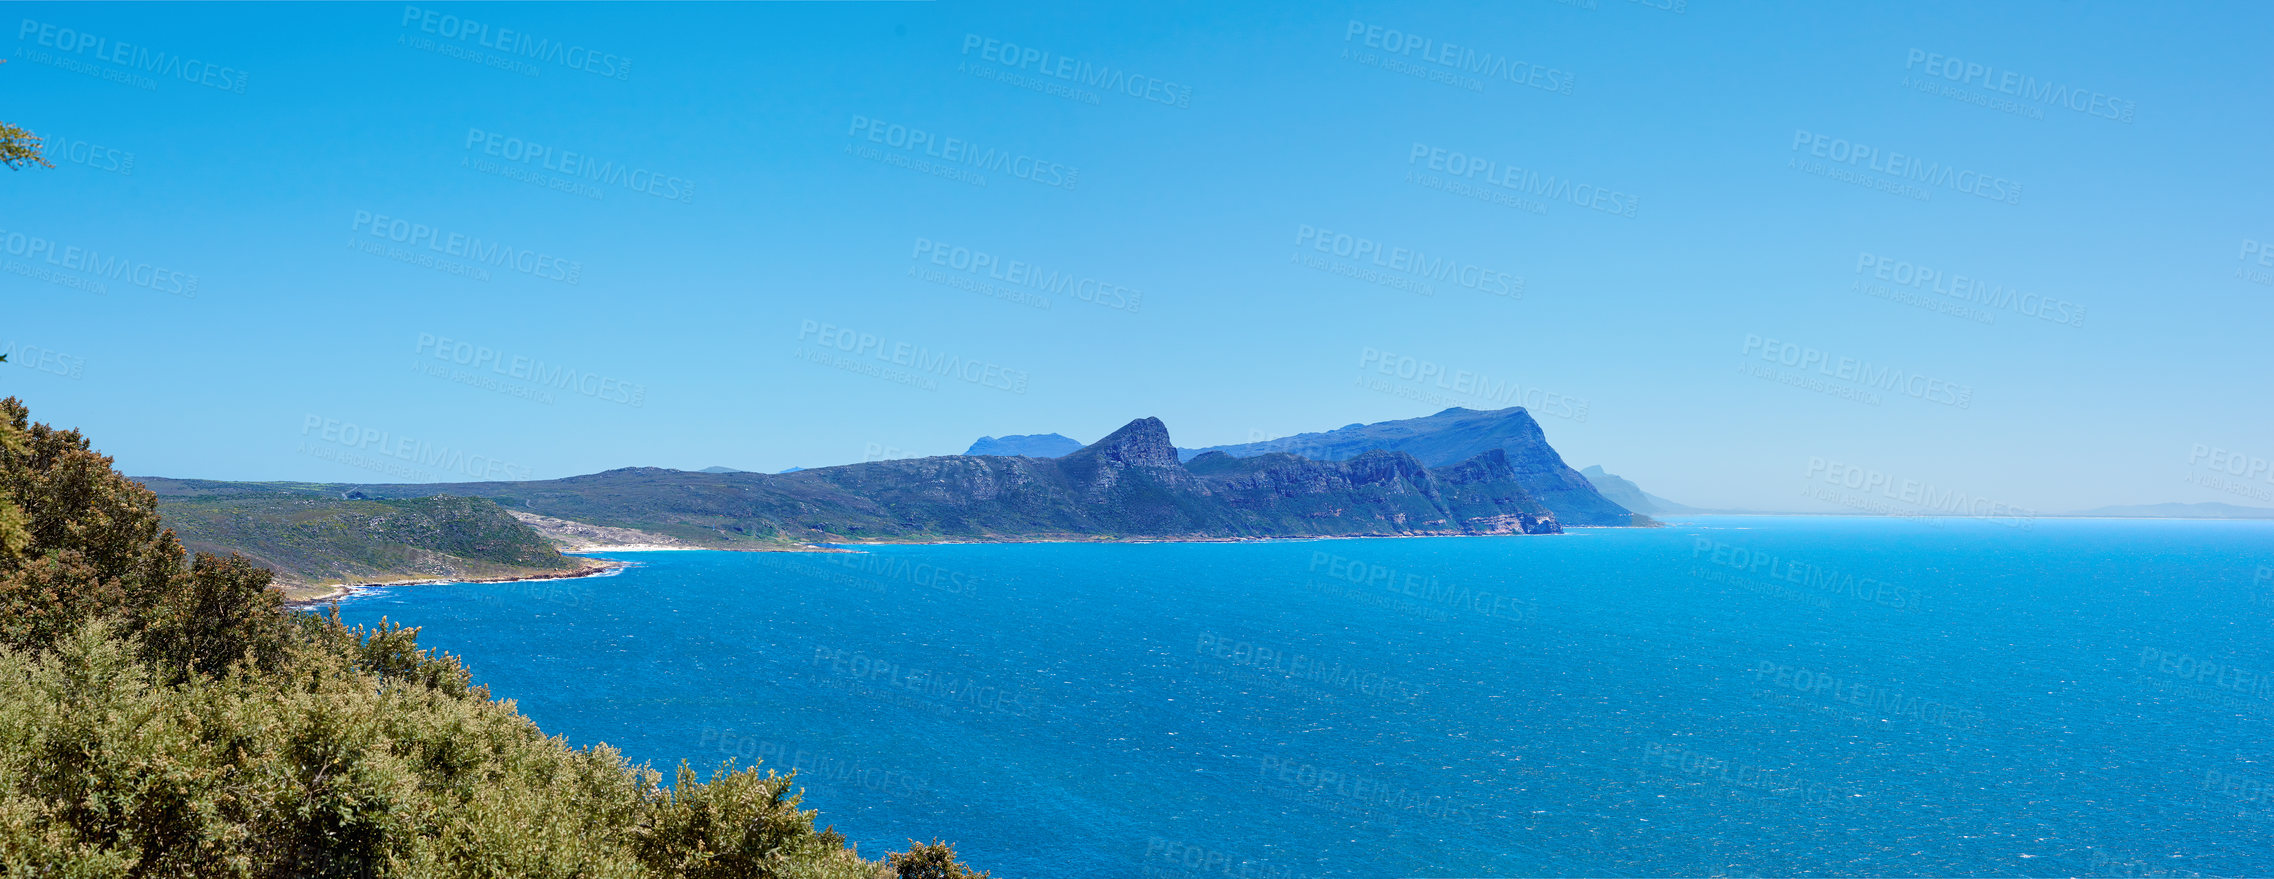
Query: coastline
596, 568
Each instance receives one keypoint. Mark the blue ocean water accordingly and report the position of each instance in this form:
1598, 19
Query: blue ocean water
1739, 696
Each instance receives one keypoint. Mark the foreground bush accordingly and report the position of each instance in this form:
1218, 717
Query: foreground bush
168, 718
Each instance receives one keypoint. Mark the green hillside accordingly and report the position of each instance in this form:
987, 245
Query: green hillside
313, 541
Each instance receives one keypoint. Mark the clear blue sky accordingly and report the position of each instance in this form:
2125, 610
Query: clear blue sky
1650, 224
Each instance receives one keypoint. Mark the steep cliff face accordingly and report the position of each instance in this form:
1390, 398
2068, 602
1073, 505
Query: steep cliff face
1375, 493
1140, 448
1454, 436
1287, 495
1488, 496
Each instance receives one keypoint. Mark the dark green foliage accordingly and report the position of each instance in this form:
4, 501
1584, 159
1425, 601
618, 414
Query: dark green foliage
224, 614
168, 717
933, 860
14, 536
92, 545
739, 824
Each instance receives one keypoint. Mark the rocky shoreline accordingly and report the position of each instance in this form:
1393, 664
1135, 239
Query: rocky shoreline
589, 568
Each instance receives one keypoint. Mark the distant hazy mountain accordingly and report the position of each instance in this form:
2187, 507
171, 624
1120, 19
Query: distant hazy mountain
1453, 436
2210, 510
718, 469
1625, 493
790, 470
1038, 445
1128, 485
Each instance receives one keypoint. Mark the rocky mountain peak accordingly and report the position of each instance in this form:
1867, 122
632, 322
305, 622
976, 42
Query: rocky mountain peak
1140, 443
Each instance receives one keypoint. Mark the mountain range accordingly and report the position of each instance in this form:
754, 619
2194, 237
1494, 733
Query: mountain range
1448, 437
1459, 471
1133, 484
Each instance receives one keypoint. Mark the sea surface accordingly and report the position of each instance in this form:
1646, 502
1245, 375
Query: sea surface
1736, 696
